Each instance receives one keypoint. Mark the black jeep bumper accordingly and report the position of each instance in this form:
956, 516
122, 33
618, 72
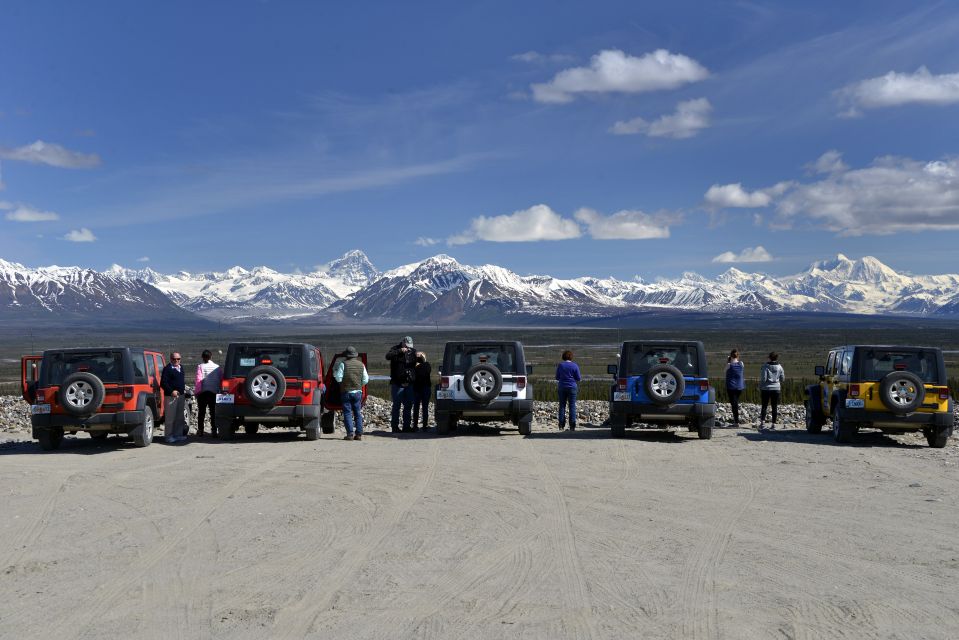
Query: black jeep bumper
504, 406
119, 421
891, 421
279, 414
666, 413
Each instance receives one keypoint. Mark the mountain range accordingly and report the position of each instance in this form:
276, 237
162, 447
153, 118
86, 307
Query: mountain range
440, 289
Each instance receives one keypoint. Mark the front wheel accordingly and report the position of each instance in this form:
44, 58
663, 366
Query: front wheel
143, 434
526, 427
842, 431
326, 421
313, 430
227, 431
937, 437
50, 439
813, 423
705, 429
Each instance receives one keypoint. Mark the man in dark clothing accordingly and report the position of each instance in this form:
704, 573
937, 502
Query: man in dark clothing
173, 383
402, 366
422, 390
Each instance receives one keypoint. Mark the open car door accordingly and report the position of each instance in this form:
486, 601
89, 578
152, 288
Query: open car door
29, 376
332, 400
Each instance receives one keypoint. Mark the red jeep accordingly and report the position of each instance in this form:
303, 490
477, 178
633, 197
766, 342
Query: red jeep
97, 390
277, 383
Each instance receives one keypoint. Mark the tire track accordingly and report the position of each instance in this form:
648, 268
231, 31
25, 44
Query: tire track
20, 541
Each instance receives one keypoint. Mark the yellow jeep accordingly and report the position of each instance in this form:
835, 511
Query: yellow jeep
892, 388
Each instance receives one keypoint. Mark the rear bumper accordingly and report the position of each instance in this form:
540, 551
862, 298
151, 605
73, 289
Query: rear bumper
504, 406
669, 413
119, 421
297, 413
891, 421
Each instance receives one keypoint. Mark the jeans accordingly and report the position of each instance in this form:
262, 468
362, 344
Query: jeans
769, 395
421, 399
567, 395
734, 401
205, 400
353, 412
401, 396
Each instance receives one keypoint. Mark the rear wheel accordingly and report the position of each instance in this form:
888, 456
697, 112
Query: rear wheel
444, 423
143, 434
50, 439
99, 435
842, 431
813, 420
705, 428
327, 422
313, 430
227, 431
617, 426
937, 437
251, 428
526, 426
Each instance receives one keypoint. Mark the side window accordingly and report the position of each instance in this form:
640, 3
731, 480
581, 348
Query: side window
830, 362
151, 367
314, 365
139, 368
846, 366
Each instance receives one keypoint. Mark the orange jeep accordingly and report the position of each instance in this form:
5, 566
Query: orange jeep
98, 390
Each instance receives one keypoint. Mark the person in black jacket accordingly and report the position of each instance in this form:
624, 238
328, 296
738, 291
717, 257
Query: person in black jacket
173, 383
422, 389
402, 366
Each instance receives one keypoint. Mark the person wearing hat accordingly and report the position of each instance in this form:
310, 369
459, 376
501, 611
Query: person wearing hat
351, 373
422, 390
402, 373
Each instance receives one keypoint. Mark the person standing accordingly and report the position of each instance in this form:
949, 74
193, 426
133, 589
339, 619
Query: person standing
567, 382
735, 382
402, 360
771, 377
173, 383
207, 385
351, 373
422, 390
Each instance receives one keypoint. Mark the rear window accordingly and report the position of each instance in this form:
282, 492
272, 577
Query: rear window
464, 356
289, 360
876, 363
643, 357
106, 365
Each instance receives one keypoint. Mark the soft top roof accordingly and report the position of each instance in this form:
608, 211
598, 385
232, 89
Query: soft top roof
895, 347
257, 343
665, 343
483, 343
89, 349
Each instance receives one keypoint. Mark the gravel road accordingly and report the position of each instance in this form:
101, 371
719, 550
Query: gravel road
483, 534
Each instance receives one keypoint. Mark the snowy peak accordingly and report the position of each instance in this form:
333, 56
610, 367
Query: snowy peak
866, 269
353, 268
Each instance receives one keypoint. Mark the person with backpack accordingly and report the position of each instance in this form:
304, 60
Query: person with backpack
351, 373
771, 376
735, 382
402, 360
567, 383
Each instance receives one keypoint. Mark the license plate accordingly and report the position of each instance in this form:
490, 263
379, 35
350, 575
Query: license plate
224, 398
442, 394
855, 403
621, 396
40, 408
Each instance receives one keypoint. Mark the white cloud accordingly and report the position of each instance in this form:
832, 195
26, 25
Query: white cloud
612, 70
749, 254
535, 57
26, 213
896, 89
734, 196
893, 195
423, 241
539, 222
623, 225
829, 162
80, 235
143, 259
41, 152
689, 118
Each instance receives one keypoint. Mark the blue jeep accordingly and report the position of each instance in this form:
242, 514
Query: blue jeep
662, 383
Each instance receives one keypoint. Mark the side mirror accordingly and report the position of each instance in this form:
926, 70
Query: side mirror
529, 369
820, 371
612, 369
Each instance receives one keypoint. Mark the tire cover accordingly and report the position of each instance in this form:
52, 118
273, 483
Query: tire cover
259, 384
901, 391
488, 382
661, 378
81, 394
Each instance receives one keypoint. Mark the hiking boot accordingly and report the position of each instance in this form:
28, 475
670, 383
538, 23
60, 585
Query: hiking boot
348, 436
358, 436
572, 426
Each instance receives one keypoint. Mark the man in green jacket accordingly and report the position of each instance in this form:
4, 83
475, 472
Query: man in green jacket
351, 373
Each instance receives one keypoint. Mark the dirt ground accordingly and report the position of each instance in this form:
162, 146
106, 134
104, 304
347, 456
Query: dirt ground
482, 535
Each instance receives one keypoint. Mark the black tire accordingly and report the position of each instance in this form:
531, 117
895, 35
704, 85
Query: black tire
443, 422
937, 437
81, 394
483, 382
143, 434
813, 419
525, 426
99, 435
617, 426
250, 428
50, 439
664, 384
327, 422
705, 428
227, 431
313, 429
902, 392
842, 431
264, 386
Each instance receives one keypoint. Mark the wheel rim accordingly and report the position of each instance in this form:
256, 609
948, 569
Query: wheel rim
903, 392
663, 384
483, 382
148, 426
263, 386
79, 394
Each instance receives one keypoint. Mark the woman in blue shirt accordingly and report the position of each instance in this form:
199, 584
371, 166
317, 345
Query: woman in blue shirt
735, 382
567, 377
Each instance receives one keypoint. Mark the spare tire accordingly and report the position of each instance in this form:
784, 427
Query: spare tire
483, 382
264, 386
901, 391
81, 394
664, 384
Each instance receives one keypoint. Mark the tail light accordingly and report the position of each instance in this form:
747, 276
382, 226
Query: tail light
621, 383
41, 396
266, 361
520, 382
703, 386
225, 387
944, 393
127, 393
854, 390
307, 387
444, 382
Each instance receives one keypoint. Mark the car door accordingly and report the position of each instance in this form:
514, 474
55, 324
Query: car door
829, 381
332, 398
29, 377
157, 370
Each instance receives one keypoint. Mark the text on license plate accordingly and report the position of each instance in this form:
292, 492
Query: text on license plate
224, 398
444, 394
855, 403
619, 396
40, 408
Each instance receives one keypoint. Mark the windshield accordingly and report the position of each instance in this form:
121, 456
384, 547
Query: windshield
876, 363
288, 359
106, 365
683, 357
502, 356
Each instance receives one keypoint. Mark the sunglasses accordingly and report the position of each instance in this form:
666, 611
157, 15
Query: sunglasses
176, 359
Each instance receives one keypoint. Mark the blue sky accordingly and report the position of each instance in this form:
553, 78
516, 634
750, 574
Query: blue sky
614, 138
